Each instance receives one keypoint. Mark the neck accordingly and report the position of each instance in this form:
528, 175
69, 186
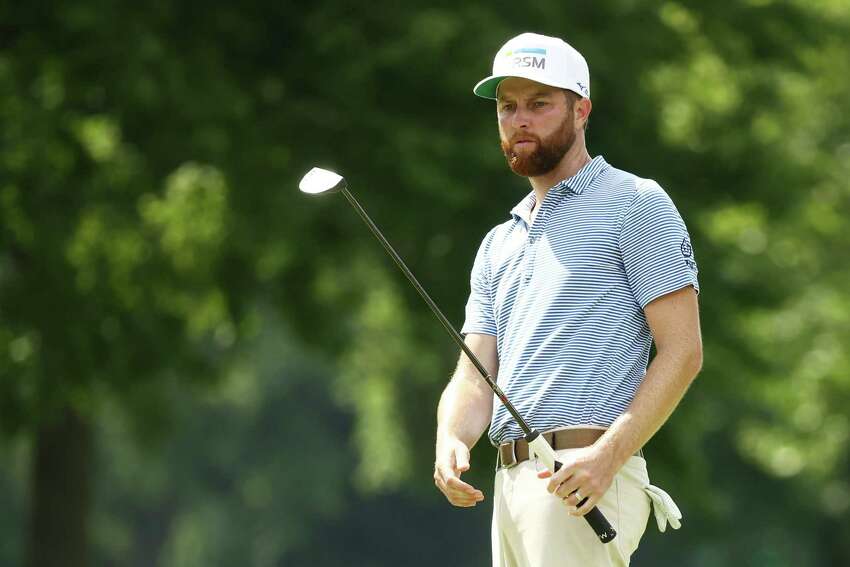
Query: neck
576, 158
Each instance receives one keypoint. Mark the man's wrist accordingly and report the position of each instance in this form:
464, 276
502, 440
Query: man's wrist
617, 447
447, 435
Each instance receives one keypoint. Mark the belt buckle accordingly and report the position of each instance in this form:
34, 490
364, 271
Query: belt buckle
503, 448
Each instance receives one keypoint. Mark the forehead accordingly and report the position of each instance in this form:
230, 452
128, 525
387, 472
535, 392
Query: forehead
518, 87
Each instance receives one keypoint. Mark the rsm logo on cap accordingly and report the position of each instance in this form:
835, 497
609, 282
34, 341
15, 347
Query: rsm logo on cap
530, 60
547, 60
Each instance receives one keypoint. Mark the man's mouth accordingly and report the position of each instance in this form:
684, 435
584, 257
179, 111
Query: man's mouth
523, 143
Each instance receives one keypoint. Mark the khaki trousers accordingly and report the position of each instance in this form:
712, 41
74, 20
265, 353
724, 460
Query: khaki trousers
533, 528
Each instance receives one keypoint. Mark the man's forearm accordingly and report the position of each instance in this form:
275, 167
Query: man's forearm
465, 409
464, 412
466, 405
667, 379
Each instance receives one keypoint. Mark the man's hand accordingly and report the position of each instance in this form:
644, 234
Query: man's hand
452, 461
586, 473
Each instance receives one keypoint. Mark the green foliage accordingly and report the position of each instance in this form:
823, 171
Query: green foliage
160, 273
251, 465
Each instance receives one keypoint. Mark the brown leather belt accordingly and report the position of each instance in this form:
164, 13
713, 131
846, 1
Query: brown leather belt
514, 452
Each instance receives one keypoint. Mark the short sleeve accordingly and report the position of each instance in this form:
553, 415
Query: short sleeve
479, 306
655, 246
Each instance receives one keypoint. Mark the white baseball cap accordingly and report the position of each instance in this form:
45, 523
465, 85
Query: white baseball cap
548, 60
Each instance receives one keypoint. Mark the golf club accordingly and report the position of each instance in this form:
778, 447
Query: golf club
319, 181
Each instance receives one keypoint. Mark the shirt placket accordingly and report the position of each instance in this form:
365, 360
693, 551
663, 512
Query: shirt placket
536, 232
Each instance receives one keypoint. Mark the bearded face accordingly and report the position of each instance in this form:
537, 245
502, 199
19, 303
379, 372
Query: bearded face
530, 156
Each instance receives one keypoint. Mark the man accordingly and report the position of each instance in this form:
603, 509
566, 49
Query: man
566, 299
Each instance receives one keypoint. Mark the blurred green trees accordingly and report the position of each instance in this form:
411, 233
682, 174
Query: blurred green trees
238, 371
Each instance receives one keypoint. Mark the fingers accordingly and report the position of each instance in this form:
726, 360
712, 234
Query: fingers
456, 491
573, 487
586, 506
461, 459
575, 500
458, 495
454, 483
566, 474
568, 487
579, 499
464, 500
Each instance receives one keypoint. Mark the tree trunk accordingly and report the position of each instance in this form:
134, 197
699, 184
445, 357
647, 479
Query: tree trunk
60, 493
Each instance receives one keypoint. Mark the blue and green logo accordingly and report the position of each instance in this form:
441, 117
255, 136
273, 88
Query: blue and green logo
528, 57
532, 50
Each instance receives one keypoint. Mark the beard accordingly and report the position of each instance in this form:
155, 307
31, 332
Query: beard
546, 156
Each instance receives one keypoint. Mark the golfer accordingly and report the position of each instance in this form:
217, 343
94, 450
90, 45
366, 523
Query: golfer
566, 299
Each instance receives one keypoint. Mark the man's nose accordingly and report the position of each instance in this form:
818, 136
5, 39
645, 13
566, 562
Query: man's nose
520, 118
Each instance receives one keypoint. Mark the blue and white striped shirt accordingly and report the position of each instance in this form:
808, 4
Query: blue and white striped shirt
565, 297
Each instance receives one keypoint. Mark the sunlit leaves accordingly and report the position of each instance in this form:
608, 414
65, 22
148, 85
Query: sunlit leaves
99, 135
372, 375
190, 217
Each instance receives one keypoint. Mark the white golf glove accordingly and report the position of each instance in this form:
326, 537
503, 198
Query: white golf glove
664, 507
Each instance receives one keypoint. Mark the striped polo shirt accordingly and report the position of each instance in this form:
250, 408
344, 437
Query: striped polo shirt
564, 296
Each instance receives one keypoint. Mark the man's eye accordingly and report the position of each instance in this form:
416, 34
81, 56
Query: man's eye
539, 104
507, 107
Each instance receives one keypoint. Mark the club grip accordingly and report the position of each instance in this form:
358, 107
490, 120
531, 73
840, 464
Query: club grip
540, 447
596, 518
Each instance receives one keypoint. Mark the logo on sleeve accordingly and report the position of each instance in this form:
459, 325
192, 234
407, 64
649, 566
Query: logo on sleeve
688, 253
687, 249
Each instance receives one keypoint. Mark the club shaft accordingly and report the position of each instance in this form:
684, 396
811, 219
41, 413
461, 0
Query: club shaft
595, 517
456, 337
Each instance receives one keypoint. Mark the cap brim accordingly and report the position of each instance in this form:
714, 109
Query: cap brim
487, 88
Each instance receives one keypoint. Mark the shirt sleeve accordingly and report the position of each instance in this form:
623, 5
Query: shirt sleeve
479, 306
655, 246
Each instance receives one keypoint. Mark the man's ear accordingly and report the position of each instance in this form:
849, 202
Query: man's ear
581, 111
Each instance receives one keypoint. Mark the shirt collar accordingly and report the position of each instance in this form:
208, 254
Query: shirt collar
583, 177
522, 209
575, 184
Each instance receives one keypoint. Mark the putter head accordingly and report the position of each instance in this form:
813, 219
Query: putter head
320, 181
